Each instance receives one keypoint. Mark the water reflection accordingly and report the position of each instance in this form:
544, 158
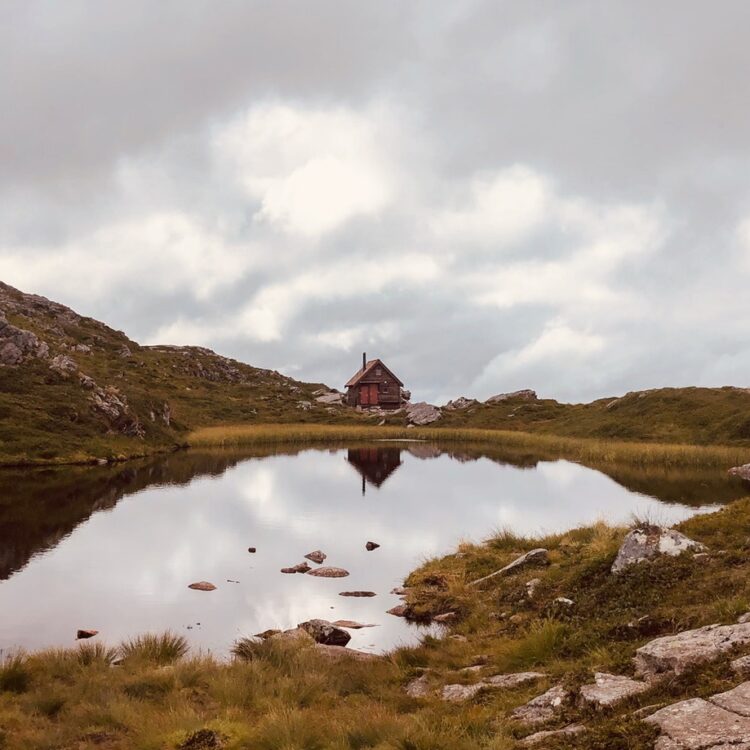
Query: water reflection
113, 548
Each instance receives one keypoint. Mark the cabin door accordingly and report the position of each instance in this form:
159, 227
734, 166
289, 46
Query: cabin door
364, 395
373, 394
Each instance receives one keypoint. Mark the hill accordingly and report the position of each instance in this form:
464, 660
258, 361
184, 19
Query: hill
74, 388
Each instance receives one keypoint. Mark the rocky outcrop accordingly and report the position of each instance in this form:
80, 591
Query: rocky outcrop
18, 345
422, 413
63, 365
533, 557
647, 542
719, 723
743, 472
113, 405
610, 689
542, 708
322, 631
460, 403
675, 654
332, 398
457, 693
524, 395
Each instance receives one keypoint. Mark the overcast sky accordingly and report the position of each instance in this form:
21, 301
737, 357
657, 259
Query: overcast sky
487, 195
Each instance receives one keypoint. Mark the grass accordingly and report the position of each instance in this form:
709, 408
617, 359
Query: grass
541, 445
289, 695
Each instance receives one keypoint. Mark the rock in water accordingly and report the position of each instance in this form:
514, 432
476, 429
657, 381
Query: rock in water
370, 546
675, 654
352, 624
317, 556
329, 573
252, 550
81, 634
202, 586
533, 557
358, 593
647, 542
302, 567
743, 472
325, 632
400, 610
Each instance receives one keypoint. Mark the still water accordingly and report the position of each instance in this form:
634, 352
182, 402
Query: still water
114, 548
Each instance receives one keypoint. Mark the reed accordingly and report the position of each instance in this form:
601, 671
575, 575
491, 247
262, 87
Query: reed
584, 450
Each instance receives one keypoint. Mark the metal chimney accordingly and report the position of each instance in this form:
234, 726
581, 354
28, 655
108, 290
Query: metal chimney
364, 360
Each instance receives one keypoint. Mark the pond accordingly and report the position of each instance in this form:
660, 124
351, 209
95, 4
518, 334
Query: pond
114, 548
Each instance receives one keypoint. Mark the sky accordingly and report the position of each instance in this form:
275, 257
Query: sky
487, 195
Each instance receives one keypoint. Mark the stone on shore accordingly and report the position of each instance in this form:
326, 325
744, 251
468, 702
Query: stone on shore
675, 654
532, 557
542, 708
610, 689
325, 632
647, 542
329, 573
317, 556
202, 586
400, 610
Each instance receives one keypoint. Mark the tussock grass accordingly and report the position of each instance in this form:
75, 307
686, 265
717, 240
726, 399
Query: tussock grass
14, 673
162, 648
584, 450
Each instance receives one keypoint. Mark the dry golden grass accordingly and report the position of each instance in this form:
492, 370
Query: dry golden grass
583, 450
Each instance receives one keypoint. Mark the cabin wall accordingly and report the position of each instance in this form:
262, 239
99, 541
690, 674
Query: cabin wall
389, 396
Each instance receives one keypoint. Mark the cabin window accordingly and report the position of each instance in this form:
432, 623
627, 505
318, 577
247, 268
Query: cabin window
378, 371
385, 386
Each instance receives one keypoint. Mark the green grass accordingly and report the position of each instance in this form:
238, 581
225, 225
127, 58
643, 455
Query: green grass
289, 695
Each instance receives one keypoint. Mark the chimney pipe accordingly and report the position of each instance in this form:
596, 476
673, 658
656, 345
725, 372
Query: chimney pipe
364, 360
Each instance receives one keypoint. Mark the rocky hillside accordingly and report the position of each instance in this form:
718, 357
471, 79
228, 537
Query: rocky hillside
71, 387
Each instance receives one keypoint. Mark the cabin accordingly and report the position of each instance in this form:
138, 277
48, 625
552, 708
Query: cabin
374, 464
374, 385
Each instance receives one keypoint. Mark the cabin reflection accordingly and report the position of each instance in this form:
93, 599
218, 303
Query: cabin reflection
374, 464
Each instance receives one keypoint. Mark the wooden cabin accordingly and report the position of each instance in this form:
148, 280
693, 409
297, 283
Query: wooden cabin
374, 385
374, 464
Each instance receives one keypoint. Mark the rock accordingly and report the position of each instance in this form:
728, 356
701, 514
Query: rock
266, 634
370, 546
741, 665
460, 403
325, 632
18, 345
329, 572
542, 708
422, 413
610, 689
445, 617
337, 653
252, 550
736, 700
81, 634
295, 635
400, 610
405, 395
531, 587
537, 737
744, 618
419, 687
63, 365
302, 567
698, 724
647, 542
743, 472
563, 601
357, 593
125, 352
304, 405
533, 557
675, 654
459, 693
316, 557
330, 398
202, 586
352, 624
82, 348
513, 680
524, 395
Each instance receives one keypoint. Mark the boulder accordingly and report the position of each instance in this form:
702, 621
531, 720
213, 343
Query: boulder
647, 542
675, 654
358, 593
533, 557
542, 708
329, 572
698, 724
63, 365
460, 693
317, 556
524, 395
460, 403
422, 413
370, 546
405, 394
82, 634
741, 665
202, 586
325, 632
330, 398
551, 734
743, 472
610, 689
295, 635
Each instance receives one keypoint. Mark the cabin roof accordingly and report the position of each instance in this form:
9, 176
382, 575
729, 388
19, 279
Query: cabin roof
364, 371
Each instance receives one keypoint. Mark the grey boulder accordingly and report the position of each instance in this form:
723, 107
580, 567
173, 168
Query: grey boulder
647, 542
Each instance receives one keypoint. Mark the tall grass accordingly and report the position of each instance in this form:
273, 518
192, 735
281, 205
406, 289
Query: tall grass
162, 648
584, 450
